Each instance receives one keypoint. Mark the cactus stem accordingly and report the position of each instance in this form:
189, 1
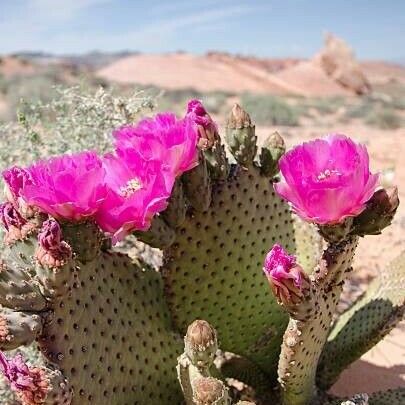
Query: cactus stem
305, 337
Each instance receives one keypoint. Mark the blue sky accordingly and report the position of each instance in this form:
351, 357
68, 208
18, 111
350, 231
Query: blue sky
375, 28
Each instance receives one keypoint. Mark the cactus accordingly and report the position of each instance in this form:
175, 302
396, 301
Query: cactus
95, 326
85, 323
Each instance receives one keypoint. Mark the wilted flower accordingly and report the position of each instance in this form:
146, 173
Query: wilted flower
15, 178
165, 138
29, 383
52, 250
138, 189
10, 217
207, 128
287, 279
69, 187
16, 226
327, 180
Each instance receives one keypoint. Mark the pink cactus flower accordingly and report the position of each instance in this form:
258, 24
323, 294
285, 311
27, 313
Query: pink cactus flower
138, 189
29, 383
206, 126
287, 279
327, 180
164, 137
69, 187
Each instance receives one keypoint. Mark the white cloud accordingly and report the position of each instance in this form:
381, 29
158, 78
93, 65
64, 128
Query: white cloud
44, 25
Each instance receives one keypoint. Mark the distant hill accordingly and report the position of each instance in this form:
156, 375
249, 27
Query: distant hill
91, 60
333, 71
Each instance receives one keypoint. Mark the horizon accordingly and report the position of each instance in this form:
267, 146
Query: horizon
79, 27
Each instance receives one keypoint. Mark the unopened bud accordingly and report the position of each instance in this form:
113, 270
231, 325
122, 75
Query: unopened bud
287, 279
272, 150
379, 212
240, 135
238, 118
209, 391
201, 343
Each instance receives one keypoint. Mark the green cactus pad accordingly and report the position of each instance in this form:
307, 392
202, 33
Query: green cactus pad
213, 270
363, 325
110, 335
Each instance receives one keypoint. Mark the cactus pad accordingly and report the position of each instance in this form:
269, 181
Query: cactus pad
363, 325
110, 335
213, 270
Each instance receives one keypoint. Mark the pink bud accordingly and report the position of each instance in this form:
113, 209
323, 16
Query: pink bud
287, 279
206, 125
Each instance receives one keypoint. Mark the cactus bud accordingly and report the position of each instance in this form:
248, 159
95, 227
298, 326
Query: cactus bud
287, 279
272, 150
207, 128
201, 343
52, 250
239, 118
379, 212
240, 136
210, 391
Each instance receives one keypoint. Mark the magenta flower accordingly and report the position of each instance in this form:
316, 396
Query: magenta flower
165, 138
138, 189
206, 126
29, 383
286, 278
69, 187
327, 180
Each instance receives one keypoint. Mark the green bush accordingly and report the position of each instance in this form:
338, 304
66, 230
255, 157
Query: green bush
270, 110
75, 119
384, 119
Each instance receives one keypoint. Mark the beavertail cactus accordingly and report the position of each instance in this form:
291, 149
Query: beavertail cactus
98, 327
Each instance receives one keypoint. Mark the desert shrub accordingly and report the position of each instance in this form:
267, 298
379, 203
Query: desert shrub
215, 102
74, 120
39, 87
384, 118
270, 110
323, 105
360, 109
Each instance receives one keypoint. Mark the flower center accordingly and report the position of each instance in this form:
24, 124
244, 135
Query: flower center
131, 187
328, 173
